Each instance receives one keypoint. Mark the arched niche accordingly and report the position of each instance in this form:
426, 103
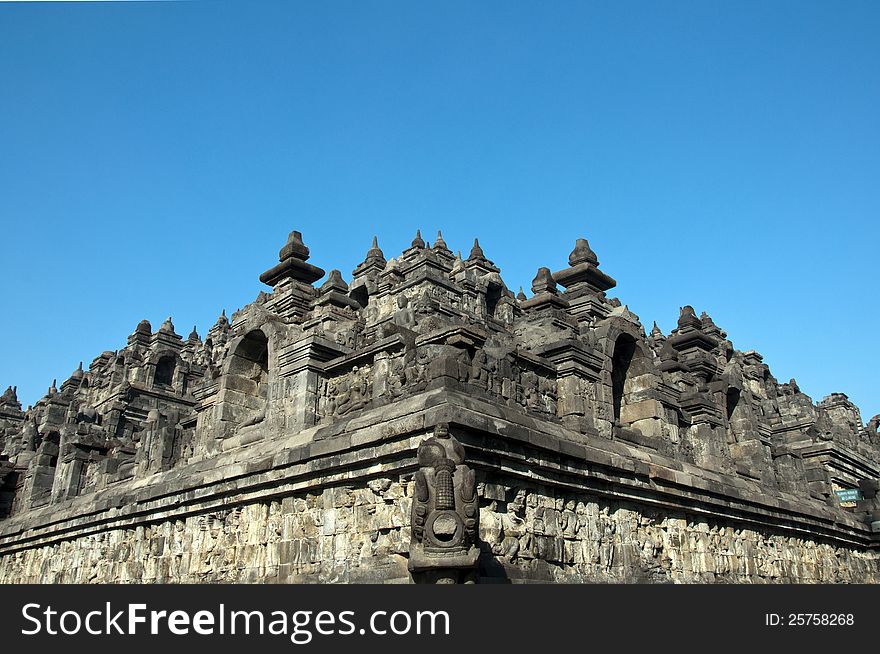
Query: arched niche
494, 293
629, 364
118, 374
244, 390
731, 402
164, 372
250, 363
621, 360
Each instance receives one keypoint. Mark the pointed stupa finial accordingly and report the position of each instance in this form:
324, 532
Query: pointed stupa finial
194, 336
440, 244
476, 251
521, 296
375, 256
417, 241
375, 252
167, 326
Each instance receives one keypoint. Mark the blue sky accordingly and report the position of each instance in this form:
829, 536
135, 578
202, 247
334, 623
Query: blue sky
154, 156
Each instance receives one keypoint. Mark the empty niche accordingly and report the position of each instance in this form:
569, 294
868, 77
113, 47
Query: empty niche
246, 383
164, 375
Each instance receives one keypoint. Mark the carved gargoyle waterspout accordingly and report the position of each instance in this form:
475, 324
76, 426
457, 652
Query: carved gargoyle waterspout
445, 513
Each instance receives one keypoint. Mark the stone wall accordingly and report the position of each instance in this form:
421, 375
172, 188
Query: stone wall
340, 535
539, 536
361, 534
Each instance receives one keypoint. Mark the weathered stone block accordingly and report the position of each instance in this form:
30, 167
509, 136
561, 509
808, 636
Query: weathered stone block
630, 413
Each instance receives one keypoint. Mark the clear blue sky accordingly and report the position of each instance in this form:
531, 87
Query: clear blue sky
154, 156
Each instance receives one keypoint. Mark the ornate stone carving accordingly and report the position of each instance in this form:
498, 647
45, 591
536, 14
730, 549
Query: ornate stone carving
445, 515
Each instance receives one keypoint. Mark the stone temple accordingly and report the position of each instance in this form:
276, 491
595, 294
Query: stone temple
423, 423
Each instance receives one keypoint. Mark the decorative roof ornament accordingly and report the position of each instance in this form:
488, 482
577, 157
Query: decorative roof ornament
656, 332
440, 244
476, 252
372, 265
375, 253
292, 264
688, 318
582, 253
544, 282
334, 282
583, 276
294, 248
334, 292
478, 260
